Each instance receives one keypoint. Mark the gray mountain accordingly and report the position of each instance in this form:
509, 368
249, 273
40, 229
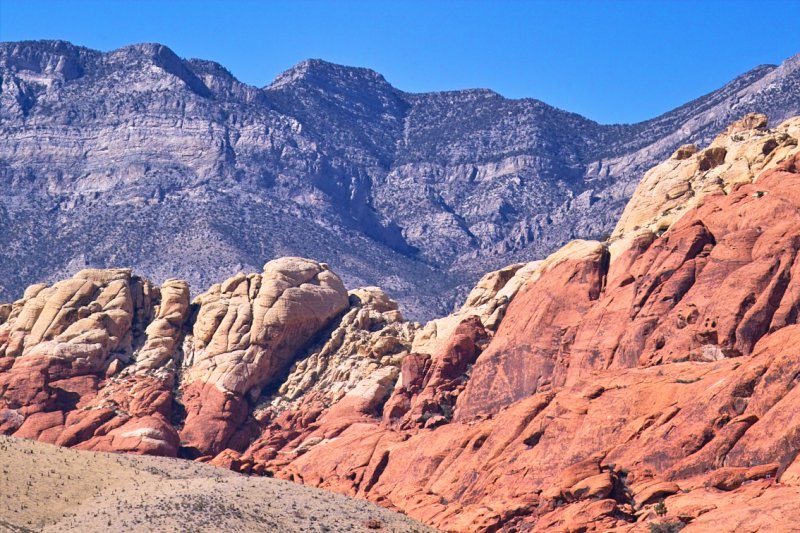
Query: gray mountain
137, 157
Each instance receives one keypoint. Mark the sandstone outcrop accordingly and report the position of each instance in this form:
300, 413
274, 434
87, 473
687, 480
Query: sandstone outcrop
669, 190
93, 361
246, 333
370, 336
611, 384
530, 348
353, 371
78, 360
488, 301
429, 386
646, 380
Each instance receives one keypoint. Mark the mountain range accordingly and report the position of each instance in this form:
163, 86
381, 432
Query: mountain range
139, 158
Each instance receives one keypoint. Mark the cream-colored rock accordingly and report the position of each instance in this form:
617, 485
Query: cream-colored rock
250, 327
13, 310
164, 333
82, 319
491, 296
370, 337
374, 298
672, 188
487, 300
372, 391
684, 152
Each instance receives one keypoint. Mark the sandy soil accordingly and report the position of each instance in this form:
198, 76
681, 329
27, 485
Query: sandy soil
46, 488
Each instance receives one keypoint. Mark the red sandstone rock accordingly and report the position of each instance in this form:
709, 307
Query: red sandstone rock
431, 386
45, 427
655, 429
214, 417
231, 460
668, 372
147, 435
530, 349
412, 380
731, 478
653, 491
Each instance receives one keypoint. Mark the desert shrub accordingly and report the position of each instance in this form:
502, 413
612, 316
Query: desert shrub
666, 527
660, 508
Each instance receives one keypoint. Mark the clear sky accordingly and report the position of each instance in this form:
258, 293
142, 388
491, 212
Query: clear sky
613, 61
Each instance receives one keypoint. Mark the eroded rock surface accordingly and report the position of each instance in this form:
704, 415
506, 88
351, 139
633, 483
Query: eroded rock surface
611, 386
90, 362
736, 156
488, 300
94, 361
246, 333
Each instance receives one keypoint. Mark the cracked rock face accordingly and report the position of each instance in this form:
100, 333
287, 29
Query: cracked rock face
429, 387
370, 336
246, 332
573, 393
249, 327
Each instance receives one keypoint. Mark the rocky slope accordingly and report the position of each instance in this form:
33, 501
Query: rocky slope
139, 158
644, 382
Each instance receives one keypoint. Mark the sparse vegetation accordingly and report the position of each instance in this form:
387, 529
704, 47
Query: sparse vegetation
87, 491
660, 508
666, 527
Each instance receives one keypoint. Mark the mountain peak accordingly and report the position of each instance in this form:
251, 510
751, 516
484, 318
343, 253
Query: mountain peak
321, 72
147, 49
48, 57
160, 55
164, 58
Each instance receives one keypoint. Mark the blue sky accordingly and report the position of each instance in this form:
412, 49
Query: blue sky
613, 61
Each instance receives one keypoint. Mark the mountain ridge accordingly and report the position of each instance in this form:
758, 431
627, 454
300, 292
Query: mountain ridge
60, 46
416, 192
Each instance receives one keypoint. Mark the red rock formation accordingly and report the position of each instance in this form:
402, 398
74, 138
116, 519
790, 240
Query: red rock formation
531, 348
247, 332
65, 383
620, 377
608, 387
426, 395
626, 437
